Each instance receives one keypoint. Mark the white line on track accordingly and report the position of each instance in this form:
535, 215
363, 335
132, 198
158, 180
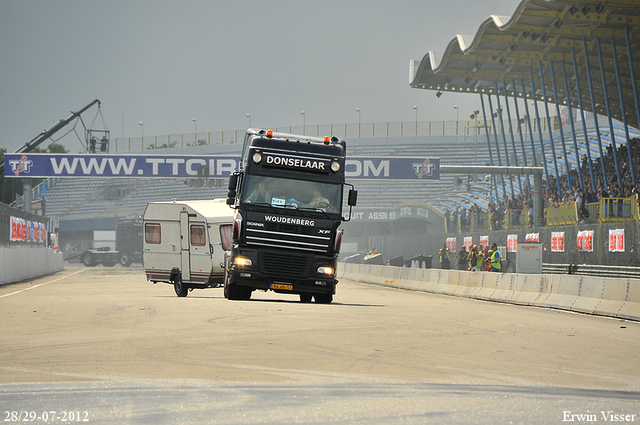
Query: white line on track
42, 284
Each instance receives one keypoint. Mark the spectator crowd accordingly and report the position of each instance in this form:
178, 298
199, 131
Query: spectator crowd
570, 189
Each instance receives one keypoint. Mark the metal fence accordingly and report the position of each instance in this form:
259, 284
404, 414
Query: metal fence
607, 210
462, 128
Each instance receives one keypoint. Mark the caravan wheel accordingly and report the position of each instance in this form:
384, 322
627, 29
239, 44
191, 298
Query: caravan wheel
181, 289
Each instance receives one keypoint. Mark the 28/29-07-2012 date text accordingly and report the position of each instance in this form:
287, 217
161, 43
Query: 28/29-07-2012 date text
47, 416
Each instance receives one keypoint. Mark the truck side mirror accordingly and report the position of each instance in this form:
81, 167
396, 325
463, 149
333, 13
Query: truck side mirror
231, 194
353, 197
233, 182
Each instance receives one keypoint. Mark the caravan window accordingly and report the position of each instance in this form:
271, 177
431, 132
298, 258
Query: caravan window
152, 233
226, 234
197, 235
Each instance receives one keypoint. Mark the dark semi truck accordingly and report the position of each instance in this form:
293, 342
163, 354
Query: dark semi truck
288, 197
128, 246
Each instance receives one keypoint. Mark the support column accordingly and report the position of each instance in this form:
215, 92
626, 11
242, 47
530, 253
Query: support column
495, 133
553, 148
595, 112
26, 192
587, 144
524, 152
528, 117
573, 127
513, 142
567, 166
632, 73
622, 111
606, 103
538, 205
486, 131
535, 107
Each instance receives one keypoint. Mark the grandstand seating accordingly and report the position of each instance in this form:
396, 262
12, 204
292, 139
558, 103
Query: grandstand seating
95, 197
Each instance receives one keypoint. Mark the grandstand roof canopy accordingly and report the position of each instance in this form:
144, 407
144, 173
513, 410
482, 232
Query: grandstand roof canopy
545, 34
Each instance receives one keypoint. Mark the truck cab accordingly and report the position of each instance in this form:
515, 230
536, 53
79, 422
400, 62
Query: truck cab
288, 198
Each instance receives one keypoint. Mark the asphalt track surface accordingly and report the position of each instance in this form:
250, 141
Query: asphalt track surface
105, 346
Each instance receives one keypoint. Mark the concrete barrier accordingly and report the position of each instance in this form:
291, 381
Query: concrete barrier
591, 293
615, 297
630, 309
527, 289
26, 263
564, 292
489, 285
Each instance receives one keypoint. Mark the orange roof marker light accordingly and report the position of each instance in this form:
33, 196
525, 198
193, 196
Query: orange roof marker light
269, 134
327, 139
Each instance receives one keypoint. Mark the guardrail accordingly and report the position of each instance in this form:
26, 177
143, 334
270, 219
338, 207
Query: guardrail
607, 210
592, 270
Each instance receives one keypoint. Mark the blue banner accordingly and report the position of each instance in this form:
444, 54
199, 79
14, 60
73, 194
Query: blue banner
97, 165
393, 168
190, 166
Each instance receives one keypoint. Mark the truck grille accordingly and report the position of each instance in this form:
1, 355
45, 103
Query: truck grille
288, 237
284, 264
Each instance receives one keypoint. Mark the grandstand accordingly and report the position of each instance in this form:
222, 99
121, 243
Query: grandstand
82, 198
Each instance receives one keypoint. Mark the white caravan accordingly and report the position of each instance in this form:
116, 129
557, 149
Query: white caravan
185, 243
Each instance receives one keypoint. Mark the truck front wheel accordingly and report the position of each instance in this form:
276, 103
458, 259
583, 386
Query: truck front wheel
323, 298
235, 292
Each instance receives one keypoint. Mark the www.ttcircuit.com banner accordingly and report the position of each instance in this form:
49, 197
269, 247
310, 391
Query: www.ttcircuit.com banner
184, 166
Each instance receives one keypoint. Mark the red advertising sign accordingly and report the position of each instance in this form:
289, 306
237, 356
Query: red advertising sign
557, 241
451, 244
616, 240
512, 243
532, 237
22, 230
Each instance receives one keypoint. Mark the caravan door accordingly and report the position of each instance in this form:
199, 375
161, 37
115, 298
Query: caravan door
185, 257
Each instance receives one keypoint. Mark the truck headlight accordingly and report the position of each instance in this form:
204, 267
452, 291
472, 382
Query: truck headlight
325, 270
243, 262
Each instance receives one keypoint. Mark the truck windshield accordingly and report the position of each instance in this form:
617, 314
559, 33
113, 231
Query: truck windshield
286, 193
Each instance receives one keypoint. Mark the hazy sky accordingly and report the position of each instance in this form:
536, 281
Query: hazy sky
165, 62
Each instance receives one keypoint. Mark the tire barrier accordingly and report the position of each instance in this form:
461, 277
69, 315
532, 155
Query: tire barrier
26, 263
612, 297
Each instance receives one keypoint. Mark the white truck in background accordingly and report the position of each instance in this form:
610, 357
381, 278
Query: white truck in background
185, 243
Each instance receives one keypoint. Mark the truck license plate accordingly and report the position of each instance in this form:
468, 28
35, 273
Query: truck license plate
281, 286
